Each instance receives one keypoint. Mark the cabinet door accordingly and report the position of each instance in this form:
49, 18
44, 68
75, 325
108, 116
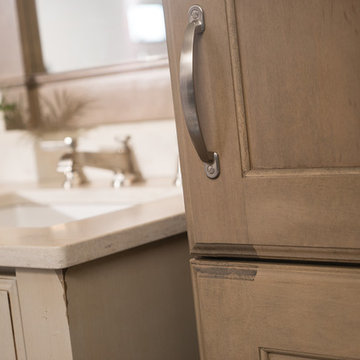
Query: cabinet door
11, 335
7, 344
259, 311
277, 86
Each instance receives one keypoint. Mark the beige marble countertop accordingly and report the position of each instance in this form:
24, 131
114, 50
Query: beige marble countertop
74, 242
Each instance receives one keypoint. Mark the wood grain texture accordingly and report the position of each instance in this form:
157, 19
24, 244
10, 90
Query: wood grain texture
289, 87
134, 305
208, 202
303, 312
304, 211
301, 75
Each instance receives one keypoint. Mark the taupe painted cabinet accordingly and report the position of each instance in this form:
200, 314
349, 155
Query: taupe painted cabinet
135, 305
277, 87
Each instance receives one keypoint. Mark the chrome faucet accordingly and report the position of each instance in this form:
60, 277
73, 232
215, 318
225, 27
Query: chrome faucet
122, 162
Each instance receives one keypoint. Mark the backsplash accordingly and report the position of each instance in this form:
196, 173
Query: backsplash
154, 144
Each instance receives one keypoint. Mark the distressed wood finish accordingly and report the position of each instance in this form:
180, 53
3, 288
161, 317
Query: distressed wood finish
278, 92
259, 311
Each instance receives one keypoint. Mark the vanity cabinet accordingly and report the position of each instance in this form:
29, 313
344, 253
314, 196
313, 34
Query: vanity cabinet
274, 87
136, 304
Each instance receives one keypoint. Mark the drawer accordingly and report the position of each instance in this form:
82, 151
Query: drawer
268, 311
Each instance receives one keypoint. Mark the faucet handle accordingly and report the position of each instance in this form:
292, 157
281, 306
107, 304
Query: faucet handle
73, 173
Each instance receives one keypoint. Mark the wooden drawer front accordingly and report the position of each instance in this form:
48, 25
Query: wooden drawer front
264, 311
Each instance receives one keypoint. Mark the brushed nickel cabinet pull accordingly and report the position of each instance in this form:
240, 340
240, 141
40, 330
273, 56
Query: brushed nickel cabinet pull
195, 27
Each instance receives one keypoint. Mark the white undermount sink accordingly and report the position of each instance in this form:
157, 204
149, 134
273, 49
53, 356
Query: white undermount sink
48, 206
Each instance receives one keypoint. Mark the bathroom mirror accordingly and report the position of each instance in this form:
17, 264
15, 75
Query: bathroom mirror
107, 58
84, 34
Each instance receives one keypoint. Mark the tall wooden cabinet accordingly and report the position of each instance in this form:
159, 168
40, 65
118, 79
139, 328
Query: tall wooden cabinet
277, 88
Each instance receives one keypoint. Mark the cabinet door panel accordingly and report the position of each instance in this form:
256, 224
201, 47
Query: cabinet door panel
278, 92
259, 311
301, 75
7, 346
12, 344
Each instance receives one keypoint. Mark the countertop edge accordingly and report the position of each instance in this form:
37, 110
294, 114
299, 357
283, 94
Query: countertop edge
60, 256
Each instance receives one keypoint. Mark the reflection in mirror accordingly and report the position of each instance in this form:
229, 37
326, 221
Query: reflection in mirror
101, 70
74, 64
84, 34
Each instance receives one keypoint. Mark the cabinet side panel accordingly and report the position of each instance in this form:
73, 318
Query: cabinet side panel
135, 305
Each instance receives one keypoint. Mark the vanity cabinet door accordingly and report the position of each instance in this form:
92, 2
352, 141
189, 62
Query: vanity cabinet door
264, 311
7, 344
277, 86
12, 344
